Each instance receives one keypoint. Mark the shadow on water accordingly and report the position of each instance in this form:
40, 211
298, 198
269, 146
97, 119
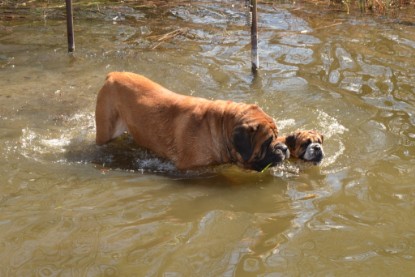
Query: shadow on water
123, 154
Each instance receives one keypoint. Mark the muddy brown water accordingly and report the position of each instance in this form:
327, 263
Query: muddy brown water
69, 208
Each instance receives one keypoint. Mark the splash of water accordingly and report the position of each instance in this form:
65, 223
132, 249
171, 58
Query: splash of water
330, 125
74, 143
334, 147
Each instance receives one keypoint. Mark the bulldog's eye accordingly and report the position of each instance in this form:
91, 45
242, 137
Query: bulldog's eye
306, 143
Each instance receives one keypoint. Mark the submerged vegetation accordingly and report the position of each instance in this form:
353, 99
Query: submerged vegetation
376, 7
394, 8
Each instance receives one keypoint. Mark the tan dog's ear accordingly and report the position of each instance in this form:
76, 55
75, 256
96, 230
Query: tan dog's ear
242, 140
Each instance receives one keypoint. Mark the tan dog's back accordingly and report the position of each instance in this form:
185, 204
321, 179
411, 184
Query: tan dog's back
157, 118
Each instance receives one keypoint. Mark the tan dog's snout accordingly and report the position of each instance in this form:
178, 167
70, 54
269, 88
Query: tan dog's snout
281, 147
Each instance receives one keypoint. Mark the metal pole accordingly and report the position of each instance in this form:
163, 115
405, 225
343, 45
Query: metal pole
69, 25
254, 37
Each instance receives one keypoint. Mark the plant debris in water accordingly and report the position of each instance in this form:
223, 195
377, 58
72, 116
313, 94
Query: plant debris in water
402, 10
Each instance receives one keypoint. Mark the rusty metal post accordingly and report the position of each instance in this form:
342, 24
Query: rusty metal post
254, 37
69, 25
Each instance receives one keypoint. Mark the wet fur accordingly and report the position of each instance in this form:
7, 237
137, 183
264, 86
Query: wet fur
305, 145
190, 131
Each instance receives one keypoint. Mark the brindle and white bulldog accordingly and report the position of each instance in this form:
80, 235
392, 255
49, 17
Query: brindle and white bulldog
305, 145
190, 131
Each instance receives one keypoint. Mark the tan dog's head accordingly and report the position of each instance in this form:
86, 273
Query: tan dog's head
305, 145
254, 141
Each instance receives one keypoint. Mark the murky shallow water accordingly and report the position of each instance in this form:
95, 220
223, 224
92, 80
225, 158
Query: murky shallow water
70, 208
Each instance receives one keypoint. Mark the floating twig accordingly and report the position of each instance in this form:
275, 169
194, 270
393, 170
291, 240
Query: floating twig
327, 26
168, 36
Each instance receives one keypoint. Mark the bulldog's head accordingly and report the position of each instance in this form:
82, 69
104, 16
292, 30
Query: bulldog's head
255, 144
305, 145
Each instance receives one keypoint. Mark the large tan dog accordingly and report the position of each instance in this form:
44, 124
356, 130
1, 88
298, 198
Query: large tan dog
305, 145
192, 132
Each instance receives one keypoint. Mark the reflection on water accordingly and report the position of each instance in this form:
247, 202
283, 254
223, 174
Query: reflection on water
71, 208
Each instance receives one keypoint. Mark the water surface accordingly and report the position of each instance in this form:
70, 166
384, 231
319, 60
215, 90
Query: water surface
70, 208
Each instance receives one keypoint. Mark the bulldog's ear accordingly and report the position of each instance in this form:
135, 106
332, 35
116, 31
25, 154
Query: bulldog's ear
290, 141
322, 139
242, 140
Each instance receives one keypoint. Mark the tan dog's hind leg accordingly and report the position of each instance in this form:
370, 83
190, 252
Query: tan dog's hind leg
109, 124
